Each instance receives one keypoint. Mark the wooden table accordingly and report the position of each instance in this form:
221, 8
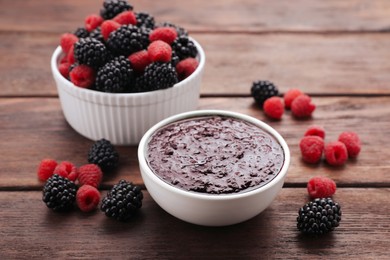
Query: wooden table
336, 51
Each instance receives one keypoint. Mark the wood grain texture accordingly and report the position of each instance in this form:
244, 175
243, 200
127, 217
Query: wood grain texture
34, 128
29, 228
317, 64
203, 15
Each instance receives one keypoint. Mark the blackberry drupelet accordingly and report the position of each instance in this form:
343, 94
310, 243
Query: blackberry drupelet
91, 52
122, 201
116, 76
156, 76
180, 30
145, 20
113, 7
128, 39
59, 193
184, 47
97, 34
174, 59
103, 154
262, 90
319, 216
81, 32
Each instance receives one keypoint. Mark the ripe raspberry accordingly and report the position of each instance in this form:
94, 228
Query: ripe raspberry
67, 40
139, 61
90, 174
82, 76
67, 170
87, 198
92, 22
70, 56
127, 17
352, 143
321, 187
46, 168
311, 148
166, 34
290, 95
302, 107
336, 153
107, 27
315, 130
64, 69
274, 108
159, 51
186, 67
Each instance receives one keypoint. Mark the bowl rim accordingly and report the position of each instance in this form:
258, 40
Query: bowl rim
69, 87
145, 169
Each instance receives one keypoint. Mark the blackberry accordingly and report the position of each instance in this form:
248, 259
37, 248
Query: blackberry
113, 7
145, 20
180, 30
59, 193
156, 76
97, 34
319, 216
116, 76
128, 39
103, 154
122, 201
262, 90
184, 47
81, 32
91, 52
174, 59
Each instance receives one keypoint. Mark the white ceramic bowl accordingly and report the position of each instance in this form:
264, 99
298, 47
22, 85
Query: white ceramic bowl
211, 209
124, 118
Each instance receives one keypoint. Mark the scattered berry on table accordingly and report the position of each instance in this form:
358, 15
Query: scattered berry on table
59, 193
184, 47
46, 168
311, 148
352, 143
81, 32
103, 154
128, 39
302, 107
127, 17
315, 130
145, 20
290, 95
91, 52
67, 170
90, 174
321, 187
82, 76
274, 108
92, 22
116, 76
186, 67
319, 216
139, 61
262, 90
166, 34
112, 8
180, 30
107, 27
87, 198
67, 40
122, 201
336, 153
157, 76
159, 51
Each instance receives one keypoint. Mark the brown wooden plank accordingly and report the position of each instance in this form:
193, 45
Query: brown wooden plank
34, 128
28, 228
317, 64
203, 15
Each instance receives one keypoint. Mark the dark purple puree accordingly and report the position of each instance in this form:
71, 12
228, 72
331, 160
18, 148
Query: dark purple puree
214, 154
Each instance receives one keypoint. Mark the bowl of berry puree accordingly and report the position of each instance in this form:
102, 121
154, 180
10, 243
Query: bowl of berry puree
213, 167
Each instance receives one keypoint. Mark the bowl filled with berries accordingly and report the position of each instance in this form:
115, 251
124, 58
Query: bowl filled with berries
122, 72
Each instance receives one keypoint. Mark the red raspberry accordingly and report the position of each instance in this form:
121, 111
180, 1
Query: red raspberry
166, 34
186, 67
70, 56
64, 69
139, 61
273, 107
321, 187
290, 95
67, 41
311, 148
336, 153
67, 170
87, 198
126, 17
315, 130
302, 107
160, 51
90, 174
108, 27
352, 142
92, 22
46, 168
82, 76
